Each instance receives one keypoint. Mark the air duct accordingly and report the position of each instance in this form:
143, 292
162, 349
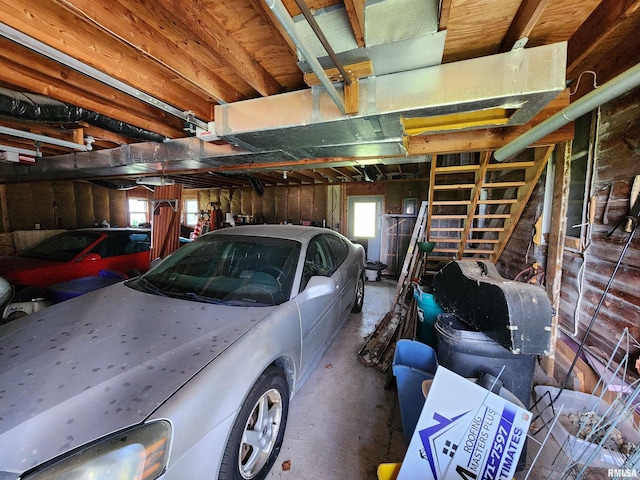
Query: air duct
286, 21
307, 124
155, 181
610, 90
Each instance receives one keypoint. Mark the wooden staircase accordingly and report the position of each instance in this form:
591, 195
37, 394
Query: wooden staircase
473, 209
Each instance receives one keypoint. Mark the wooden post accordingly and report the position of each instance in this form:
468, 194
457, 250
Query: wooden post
555, 252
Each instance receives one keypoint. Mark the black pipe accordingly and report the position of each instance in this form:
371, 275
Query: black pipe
38, 108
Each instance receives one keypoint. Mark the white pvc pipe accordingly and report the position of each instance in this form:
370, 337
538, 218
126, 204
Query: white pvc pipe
610, 90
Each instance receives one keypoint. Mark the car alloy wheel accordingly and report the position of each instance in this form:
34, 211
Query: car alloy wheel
359, 301
257, 435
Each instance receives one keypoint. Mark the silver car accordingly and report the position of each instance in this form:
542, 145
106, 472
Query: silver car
183, 373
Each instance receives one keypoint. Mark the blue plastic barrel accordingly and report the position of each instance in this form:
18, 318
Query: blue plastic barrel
413, 363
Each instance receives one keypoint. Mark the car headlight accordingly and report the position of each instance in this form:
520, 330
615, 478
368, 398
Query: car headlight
137, 453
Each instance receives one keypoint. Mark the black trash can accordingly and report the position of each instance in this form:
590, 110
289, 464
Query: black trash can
470, 354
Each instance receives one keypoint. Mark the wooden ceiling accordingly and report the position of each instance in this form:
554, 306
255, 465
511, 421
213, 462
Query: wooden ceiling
194, 54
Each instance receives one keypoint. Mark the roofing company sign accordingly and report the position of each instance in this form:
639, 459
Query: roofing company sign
465, 433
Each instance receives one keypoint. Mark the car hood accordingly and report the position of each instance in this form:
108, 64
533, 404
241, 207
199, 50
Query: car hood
98, 363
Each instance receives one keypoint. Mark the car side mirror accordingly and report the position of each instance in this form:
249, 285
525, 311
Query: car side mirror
318, 286
91, 257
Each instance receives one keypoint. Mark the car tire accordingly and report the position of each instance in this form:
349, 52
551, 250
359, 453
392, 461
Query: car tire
359, 301
257, 434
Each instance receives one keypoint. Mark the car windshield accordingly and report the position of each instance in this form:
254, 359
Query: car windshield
228, 269
60, 248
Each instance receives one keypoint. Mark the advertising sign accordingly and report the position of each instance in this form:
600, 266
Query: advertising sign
465, 432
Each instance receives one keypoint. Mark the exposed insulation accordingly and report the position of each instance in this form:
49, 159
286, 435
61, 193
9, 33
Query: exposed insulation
246, 206
236, 202
19, 207
225, 200
269, 205
42, 205
101, 209
118, 209
293, 205
256, 207
306, 202
282, 211
319, 204
65, 214
83, 199
214, 197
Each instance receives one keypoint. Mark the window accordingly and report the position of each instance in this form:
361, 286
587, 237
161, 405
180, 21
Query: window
318, 261
191, 212
581, 168
138, 213
123, 244
364, 219
338, 248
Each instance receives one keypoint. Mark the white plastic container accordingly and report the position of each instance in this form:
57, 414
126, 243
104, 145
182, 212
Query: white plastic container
581, 451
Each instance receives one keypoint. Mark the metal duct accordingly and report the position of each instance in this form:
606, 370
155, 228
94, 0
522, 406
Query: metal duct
33, 107
286, 21
400, 35
307, 124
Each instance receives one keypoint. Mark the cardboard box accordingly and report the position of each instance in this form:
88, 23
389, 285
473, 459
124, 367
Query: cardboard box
465, 432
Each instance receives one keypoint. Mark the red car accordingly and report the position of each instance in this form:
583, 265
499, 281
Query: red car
79, 253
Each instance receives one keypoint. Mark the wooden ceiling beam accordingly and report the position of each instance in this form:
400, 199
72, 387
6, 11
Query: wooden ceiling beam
480, 140
617, 60
445, 13
491, 138
271, 19
265, 179
355, 13
63, 78
603, 23
228, 180
198, 20
100, 134
328, 173
151, 30
526, 18
63, 31
38, 81
311, 176
343, 172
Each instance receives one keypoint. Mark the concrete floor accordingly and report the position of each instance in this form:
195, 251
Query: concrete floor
343, 423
